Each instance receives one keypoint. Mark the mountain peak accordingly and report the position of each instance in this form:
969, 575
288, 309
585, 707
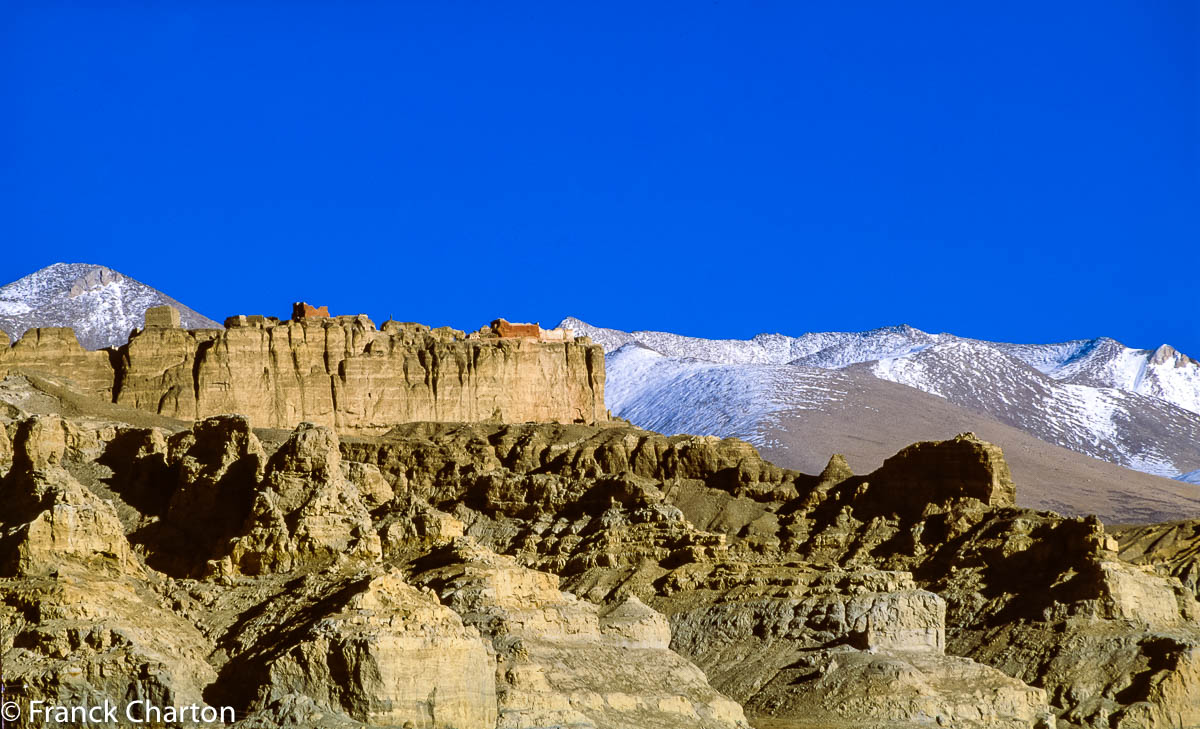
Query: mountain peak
1164, 354
102, 305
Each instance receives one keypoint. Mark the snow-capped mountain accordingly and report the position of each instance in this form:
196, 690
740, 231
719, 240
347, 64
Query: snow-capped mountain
1135, 408
1162, 373
1113, 424
819, 349
721, 398
100, 304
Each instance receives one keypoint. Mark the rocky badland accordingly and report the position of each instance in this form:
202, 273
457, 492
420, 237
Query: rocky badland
321, 524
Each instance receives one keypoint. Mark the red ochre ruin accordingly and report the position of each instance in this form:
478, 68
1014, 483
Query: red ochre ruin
301, 310
509, 330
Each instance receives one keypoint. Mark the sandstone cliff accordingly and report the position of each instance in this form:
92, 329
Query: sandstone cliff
56, 353
341, 372
297, 620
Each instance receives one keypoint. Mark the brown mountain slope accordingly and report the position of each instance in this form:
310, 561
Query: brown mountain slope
877, 418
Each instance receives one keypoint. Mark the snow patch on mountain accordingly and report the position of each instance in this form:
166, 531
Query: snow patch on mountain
1163, 373
1085, 419
855, 347
100, 304
683, 395
762, 349
1193, 477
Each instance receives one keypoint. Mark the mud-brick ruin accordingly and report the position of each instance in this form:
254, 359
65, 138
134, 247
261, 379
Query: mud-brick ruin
534, 332
339, 371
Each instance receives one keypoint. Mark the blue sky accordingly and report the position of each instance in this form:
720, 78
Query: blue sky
1014, 171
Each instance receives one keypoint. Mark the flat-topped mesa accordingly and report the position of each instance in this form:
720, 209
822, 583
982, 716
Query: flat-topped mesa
338, 371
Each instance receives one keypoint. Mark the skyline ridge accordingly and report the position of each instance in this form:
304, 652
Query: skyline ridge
569, 317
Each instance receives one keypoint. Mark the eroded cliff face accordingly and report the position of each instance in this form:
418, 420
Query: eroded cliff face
340, 372
56, 353
1172, 549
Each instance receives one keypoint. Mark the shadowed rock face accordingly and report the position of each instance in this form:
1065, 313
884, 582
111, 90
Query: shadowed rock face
52, 519
1171, 549
340, 372
307, 510
81, 620
489, 575
927, 473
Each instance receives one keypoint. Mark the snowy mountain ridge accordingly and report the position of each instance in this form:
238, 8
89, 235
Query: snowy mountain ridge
850, 347
1136, 408
1162, 373
727, 398
102, 305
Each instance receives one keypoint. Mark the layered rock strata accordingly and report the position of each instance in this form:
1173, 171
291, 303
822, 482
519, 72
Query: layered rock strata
361, 648
1171, 549
559, 662
341, 372
54, 352
273, 559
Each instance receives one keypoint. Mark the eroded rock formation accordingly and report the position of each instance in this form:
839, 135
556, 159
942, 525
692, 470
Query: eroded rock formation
1171, 549
534, 575
845, 585
56, 353
341, 372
